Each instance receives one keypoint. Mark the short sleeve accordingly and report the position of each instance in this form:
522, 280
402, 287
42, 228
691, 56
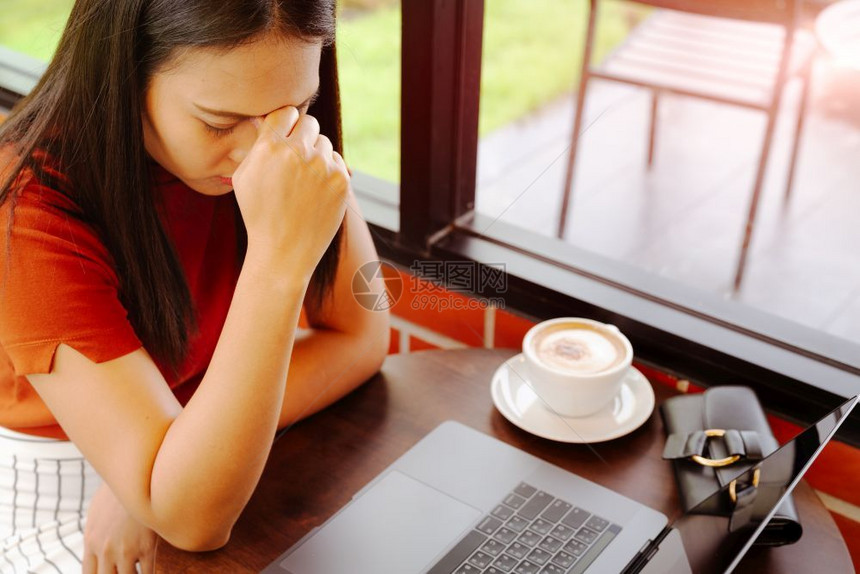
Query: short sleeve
57, 285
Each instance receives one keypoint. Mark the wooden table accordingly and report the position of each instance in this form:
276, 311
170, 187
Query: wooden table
317, 466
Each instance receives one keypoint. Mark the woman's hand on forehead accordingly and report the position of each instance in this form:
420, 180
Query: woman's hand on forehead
279, 123
291, 189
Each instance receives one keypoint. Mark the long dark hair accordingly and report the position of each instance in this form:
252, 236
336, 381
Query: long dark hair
85, 114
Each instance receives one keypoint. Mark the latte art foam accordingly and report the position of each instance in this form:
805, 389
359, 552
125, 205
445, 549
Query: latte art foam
578, 350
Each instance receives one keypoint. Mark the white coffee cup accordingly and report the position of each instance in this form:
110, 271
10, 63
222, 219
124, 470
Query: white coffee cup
576, 365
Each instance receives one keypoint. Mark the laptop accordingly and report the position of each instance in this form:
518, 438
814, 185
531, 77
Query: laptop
461, 502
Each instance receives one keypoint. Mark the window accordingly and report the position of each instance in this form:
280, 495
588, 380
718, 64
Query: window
368, 39
447, 209
677, 224
368, 42
33, 28
28, 36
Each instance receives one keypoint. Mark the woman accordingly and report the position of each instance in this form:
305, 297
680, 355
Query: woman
169, 203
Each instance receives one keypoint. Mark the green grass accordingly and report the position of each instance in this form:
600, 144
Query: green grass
33, 28
533, 52
531, 56
369, 66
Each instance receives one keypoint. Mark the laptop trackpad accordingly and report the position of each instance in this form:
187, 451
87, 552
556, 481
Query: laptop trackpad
399, 525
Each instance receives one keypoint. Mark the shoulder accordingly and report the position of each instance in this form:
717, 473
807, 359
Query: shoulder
39, 184
41, 223
58, 282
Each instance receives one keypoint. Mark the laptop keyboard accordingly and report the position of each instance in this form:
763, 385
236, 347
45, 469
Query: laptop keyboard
530, 532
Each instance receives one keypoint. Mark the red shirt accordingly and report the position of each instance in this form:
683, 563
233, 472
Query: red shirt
61, 286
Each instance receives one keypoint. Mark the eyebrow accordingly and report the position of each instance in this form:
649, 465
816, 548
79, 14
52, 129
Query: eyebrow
238, 116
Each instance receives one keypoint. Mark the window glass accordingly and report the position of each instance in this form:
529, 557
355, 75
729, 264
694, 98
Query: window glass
369, 66
681, 219
33, 28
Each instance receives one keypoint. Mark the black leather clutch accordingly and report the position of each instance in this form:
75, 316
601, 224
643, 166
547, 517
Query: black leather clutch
713, 438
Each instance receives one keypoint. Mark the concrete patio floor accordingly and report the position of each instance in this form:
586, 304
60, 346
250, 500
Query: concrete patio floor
683, 219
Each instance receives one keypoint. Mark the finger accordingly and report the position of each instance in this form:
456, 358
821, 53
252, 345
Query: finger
89, 564
106, 565
126, 567
307, 131
324, 147
147, 564
340, 162
278, 124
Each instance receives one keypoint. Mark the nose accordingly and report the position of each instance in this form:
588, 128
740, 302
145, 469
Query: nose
243, 138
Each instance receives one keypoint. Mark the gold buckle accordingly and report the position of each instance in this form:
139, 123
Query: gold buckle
733, 489
719, 461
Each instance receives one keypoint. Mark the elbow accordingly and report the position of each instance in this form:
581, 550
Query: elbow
198, 524
202, 538
376, 357
373, 337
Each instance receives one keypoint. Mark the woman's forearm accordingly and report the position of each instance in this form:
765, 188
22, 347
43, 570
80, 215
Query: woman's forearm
213, 454
327, 364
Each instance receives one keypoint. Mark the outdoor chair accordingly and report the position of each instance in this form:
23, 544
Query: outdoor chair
736, 52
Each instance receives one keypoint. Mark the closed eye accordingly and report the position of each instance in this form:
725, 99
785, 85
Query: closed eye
219, 132
222, 132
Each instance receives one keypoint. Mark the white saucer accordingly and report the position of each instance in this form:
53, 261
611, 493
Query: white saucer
518, 403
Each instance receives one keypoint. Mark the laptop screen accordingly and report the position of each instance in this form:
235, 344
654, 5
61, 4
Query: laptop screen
715, 544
